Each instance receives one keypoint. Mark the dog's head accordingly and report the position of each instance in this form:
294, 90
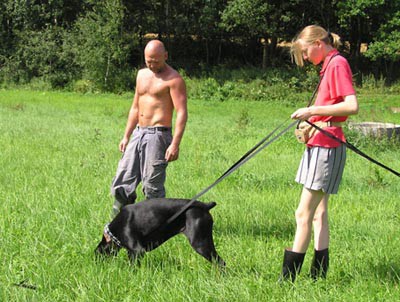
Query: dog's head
107, 246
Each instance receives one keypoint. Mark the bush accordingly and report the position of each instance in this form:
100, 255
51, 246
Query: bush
252, 84
84, 86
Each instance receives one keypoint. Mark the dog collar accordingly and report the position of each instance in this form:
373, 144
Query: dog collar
110, 236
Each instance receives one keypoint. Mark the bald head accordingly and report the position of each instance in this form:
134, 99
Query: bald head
155, 45
155, 56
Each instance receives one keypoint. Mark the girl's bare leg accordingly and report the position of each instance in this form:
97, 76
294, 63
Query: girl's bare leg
321, 225
305, 212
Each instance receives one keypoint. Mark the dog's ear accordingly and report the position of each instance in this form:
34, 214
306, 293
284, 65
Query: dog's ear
210, 205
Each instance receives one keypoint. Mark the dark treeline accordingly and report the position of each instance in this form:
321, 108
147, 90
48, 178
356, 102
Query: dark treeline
101, 41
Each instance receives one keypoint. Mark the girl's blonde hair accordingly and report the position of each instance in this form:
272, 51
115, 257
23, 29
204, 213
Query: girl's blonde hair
309, 35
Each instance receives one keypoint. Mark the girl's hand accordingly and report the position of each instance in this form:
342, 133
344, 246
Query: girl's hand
302, 114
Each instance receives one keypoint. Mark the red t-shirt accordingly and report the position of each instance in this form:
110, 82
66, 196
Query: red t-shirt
335, 85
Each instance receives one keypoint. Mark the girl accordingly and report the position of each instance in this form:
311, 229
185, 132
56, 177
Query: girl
321, 167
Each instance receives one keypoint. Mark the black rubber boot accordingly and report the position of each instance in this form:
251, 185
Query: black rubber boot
320, 264
292, 263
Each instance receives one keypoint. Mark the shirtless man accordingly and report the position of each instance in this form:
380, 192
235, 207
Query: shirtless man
159, 91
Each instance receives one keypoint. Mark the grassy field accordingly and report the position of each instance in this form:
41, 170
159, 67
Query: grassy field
58, 156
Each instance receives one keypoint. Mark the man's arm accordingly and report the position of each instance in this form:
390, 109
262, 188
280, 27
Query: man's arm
133, 119
179, 100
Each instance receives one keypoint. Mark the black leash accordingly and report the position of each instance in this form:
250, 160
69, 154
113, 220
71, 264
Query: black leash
316, 88
347, 144
353, 148
246, 157
252, 152
234, 166
258, 148
24, 284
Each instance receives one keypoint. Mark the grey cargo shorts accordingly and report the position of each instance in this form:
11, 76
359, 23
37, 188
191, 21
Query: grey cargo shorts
143, 161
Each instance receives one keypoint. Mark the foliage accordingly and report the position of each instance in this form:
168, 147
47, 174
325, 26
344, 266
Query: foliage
386, 43
276, 84
41, 53
372, 22
246, 16
34, 35
261, 18
101, 47
358, 16
102, 42
269, 20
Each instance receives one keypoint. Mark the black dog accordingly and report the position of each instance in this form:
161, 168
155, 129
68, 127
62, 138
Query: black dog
140, 228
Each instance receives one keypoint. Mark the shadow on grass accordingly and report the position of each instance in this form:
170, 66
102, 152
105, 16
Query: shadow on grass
284, 230
387, 271
378, 269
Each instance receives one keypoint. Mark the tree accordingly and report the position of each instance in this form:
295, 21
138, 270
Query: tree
102, 40
360, 20
386, 45
32, 39
209, 26
268, 21
100, 44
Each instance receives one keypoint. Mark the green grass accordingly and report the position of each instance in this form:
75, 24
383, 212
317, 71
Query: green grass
58, 156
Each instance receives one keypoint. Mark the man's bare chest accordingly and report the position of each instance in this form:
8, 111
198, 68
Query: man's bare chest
153, 87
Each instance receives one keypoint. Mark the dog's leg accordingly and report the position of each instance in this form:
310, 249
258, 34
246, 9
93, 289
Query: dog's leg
199, 233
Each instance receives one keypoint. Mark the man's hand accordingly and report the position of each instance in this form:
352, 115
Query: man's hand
172, 153
122, 145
